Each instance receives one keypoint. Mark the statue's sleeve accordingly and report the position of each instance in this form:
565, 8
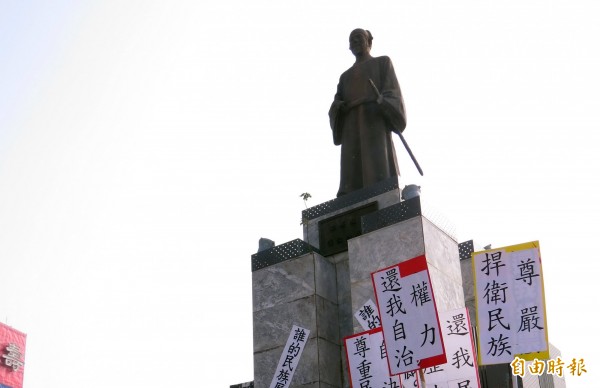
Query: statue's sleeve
392, 105
336, 116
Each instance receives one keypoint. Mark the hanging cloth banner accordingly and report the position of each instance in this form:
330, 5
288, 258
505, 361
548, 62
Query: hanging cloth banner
509, 297
461, 369
367, 360
290, 357
409, 319
409, 380
368, 316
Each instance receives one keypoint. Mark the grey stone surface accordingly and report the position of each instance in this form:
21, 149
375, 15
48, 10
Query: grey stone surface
322, 294
441, 250
330, 363
294, 279
339, 257
448, 292
313, 312
283, 282
303, 292
272, 326
361, 292
379, 249
345, 374
325, 385
311, 227
397, 243
385, 247
327, 320
466, 267
306, 372
316, 385
344, 299
325, 278
320, 363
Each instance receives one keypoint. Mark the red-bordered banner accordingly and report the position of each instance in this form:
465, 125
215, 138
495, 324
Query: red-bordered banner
461, 369
367, 360
411, 327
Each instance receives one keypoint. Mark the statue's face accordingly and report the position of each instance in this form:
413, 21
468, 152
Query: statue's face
359, 43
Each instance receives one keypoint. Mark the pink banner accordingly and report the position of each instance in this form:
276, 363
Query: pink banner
12, 357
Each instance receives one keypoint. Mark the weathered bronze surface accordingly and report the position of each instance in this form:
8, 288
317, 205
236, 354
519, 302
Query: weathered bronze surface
362, 119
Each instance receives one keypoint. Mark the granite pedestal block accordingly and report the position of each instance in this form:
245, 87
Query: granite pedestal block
322, 294
400, 242
301, 291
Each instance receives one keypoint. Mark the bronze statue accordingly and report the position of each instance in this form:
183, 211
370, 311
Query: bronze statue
367, 107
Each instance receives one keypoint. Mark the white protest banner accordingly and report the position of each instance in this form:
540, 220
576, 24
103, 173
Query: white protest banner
408, 314
367, 361
436, 376
461, 369
290, 357
409, 380
368, 316
509, 295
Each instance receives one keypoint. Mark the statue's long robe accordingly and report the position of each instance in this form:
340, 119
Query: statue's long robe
363, 127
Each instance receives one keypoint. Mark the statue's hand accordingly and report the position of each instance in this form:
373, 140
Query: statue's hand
380, 99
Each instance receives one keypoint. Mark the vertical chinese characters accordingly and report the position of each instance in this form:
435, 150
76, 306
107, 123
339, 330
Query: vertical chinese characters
367, 361
368, 316
408, 314
493, 269
461, 368
290, 357
510, 303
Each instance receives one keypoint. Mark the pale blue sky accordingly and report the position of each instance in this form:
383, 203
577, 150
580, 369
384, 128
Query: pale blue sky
146, 146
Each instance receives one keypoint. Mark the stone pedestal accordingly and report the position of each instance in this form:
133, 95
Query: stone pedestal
400, 242
299, 291
319, 283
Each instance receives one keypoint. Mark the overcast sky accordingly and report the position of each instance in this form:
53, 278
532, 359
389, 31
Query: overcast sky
146, 146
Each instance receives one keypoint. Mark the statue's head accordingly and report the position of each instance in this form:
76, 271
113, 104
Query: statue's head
360, 41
